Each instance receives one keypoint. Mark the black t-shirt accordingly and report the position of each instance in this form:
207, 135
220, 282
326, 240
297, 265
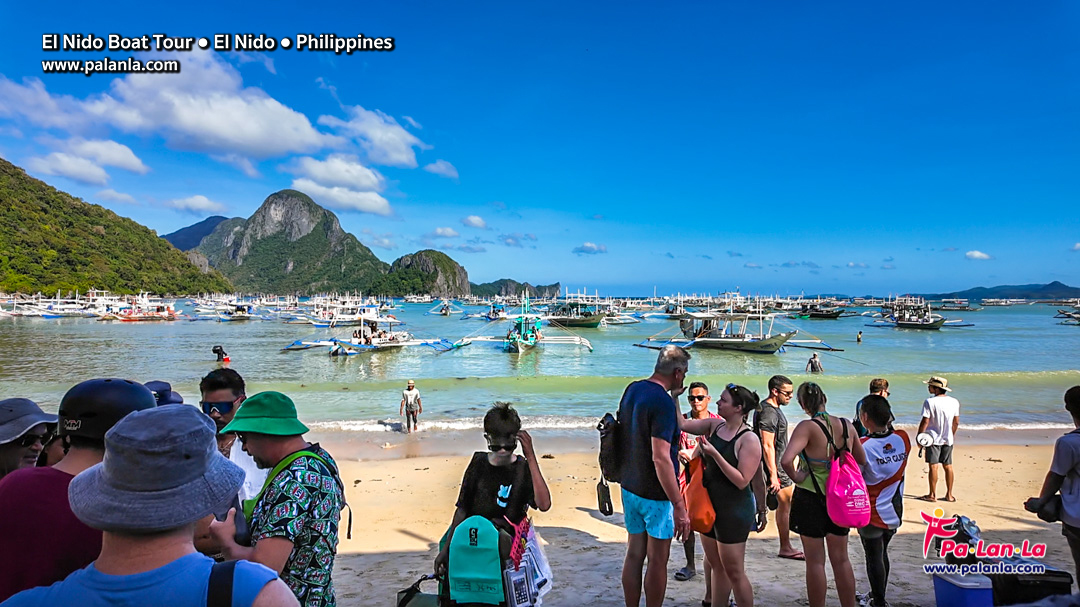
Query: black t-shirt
494, 492
772, 419
646, 412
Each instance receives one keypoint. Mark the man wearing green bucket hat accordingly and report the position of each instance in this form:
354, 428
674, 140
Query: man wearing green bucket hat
294, 519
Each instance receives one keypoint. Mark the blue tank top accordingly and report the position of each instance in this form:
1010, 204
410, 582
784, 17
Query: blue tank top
181, 582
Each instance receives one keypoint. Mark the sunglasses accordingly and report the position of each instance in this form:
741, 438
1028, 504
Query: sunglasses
495, 447
786, 393
28, 440
695, 399
731, 387
223, 408
241, 437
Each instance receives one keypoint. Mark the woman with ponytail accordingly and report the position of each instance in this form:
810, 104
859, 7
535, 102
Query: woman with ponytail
815, 443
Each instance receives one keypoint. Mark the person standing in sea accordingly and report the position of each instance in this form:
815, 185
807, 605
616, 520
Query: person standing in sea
814, 364
653, 507
411, 407
940, 419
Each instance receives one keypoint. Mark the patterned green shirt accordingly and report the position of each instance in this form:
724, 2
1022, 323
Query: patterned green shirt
303, 505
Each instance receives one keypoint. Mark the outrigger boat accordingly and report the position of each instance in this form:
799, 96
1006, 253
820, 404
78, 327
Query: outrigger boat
238, 312
365, 341
727, 331
445, 308
1068, 318
916, 316
954, 305
525, 334
576, 314
820, 312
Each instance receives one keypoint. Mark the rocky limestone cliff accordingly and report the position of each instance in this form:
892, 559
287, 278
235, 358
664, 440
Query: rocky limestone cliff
290, 245
199, 260
450, 278
507, 287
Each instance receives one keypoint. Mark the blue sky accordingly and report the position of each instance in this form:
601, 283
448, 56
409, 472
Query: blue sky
775, 147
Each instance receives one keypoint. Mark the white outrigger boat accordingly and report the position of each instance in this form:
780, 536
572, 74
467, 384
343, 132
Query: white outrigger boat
731, 331
371, 339
525, 334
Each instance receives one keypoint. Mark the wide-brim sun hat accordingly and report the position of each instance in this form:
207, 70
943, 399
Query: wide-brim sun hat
938, 382
18, 416
267, 413
162, 470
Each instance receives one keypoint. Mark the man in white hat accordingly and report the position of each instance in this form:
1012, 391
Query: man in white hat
940, 419
410, 406
161, 473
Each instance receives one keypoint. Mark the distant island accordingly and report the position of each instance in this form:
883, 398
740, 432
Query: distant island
1053, 290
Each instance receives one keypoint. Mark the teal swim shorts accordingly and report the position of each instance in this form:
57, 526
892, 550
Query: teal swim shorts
655, 517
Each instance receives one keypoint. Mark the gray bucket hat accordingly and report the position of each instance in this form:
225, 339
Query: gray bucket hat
17, 415
162, 470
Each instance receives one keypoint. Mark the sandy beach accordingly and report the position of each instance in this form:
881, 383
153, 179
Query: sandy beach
402, 507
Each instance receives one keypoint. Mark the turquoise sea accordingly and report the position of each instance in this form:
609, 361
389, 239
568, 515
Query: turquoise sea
1009, 371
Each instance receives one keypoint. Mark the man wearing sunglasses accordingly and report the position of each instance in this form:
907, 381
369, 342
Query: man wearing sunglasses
223, 391
771, 425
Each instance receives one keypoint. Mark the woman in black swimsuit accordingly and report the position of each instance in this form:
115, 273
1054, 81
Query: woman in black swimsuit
732, 459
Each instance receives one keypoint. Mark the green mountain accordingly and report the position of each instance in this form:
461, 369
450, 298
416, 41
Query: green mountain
1053, 290
190, 237
50, 240
439, 275
507, 287
293, 245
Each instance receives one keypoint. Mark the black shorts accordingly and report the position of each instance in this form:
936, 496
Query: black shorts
939, 454
809, 516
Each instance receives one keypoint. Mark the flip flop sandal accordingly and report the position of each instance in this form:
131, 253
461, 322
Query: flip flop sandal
684, 574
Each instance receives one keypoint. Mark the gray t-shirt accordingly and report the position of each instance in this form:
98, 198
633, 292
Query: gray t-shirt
772, 419
1066, 463
412, 399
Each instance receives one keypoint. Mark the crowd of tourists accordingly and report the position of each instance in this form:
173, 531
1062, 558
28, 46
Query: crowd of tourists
128, 494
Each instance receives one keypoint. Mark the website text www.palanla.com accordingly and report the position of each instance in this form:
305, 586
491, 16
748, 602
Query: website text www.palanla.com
985, 569
107, 65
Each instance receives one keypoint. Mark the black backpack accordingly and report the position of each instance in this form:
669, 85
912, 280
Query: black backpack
610, 428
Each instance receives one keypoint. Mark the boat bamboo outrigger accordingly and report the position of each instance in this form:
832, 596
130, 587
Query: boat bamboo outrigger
525, 334
727, 331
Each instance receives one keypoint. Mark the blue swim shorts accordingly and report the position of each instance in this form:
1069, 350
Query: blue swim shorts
655, 517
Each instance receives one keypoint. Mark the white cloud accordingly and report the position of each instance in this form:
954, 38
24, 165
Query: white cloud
515, 239
888, 266
474, 221
1076, 247
249, 57
977, 255
589, 248
197, 204
442, 167
444, 233
385, 141
852, 264
107, 153
467, 248
31, 101
114, 196
752, 266
341, 170
205, 108
343, 198
381, 241
413, 123
72, 167
243, 163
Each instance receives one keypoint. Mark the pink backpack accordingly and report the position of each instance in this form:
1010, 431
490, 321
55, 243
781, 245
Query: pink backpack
846, 498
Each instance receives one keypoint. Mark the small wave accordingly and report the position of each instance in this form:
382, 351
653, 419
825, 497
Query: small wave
1002, 426
539, 422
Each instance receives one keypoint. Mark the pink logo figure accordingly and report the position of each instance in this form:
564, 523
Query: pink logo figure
936, 528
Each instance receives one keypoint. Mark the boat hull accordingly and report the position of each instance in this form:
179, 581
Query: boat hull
925, 326
589, 322
769, 345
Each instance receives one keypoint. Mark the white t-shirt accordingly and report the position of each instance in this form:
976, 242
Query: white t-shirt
1066, 463
941, 410
412, 399
254, 477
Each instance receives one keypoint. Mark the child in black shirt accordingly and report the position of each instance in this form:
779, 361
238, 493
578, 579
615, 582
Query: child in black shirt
499, 485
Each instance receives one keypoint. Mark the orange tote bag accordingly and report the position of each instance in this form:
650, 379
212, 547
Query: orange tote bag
698, 504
